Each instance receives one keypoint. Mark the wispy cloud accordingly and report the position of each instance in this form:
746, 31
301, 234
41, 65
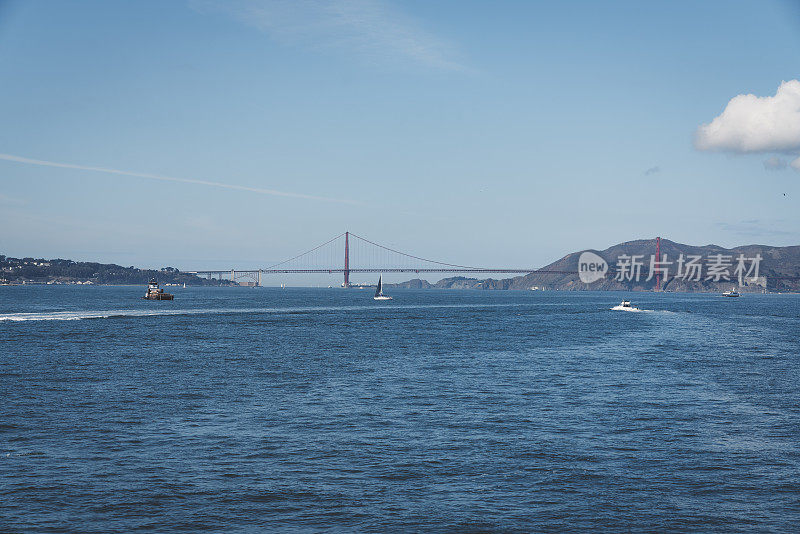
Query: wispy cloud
258, 190
652, 170
372, 29
6, 200
774, 163
756, 228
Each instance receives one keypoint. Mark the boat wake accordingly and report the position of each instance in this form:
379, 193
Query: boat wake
627, 308
78, 315
625, 305
639, 310
112, 314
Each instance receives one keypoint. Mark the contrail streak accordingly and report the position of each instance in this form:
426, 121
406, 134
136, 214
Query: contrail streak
261, 191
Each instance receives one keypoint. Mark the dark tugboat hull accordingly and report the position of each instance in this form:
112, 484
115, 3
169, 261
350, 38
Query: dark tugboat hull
156, 293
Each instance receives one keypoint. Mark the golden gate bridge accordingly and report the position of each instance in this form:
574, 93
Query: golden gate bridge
348, 253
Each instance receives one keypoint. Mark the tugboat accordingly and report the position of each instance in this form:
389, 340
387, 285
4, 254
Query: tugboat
731, 293
156, 293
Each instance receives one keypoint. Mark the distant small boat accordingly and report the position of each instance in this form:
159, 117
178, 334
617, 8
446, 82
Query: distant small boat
625, 305
184, 285
731, 293
156, 293
379, 291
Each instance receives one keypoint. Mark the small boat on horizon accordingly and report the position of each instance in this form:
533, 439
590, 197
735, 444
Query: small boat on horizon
731, 293
379, 291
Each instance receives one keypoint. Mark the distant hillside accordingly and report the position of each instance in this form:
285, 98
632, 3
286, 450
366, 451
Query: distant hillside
456, 282
779, 270
33, 270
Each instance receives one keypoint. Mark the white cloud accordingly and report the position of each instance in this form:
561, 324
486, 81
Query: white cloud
372, 29
258, 190
751, 124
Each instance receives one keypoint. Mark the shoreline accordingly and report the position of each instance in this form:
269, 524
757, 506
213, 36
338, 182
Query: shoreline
742, 291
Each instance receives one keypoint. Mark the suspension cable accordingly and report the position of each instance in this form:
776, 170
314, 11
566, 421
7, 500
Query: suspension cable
306, 252
411, 255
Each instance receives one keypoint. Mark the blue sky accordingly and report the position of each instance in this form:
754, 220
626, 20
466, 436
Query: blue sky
502, 133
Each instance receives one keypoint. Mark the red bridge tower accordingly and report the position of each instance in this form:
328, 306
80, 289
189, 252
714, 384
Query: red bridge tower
346, 259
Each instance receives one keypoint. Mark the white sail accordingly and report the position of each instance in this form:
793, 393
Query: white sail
379, 290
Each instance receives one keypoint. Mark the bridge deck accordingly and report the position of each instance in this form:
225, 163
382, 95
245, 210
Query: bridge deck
378, 270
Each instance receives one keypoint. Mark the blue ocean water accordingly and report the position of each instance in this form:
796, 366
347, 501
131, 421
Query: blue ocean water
243, 410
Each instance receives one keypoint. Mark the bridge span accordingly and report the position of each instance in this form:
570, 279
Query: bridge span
349, 253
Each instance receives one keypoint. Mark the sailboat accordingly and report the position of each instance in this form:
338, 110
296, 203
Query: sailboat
379, 291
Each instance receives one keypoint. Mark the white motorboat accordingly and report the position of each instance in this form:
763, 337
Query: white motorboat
379, 291
625, 305
731, 293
